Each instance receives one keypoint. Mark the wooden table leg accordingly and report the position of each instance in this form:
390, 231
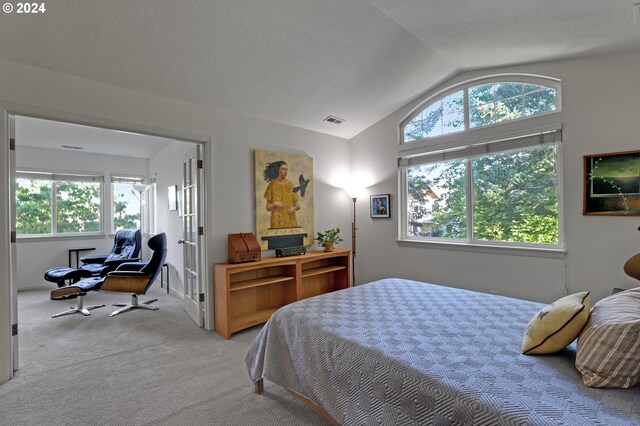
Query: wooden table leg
259, 386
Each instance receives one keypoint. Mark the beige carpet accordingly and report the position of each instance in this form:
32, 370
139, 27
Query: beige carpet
138, 368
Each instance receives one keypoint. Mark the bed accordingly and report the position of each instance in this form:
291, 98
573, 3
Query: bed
398, 352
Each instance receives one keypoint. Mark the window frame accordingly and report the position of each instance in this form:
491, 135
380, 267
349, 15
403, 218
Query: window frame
466, 141
124, 178
64, 176
464, 86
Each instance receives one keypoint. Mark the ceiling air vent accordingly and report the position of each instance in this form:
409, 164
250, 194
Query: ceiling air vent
71, 147
334, 120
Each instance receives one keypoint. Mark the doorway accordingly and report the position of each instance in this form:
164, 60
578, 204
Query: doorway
114, 152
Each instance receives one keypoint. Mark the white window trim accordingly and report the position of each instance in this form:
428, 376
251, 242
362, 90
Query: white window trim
409, 154
552, 82
63, 175
469, 244
124, 178
546, 252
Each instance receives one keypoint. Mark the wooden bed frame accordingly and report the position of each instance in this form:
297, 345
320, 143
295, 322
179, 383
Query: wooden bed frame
259, 389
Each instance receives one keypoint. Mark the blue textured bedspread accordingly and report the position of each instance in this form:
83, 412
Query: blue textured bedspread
398, 352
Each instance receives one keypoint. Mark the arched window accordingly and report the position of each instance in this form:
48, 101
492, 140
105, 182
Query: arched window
502, 189
478, 105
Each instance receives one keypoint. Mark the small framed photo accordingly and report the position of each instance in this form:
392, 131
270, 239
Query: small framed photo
380, 206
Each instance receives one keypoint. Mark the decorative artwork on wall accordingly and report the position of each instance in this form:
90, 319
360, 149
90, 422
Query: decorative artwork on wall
379, 206
612, 184
284, 189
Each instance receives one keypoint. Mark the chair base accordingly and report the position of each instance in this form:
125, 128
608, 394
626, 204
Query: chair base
134, 305
80, 308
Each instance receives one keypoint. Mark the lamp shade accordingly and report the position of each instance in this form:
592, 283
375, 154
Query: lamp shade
632, 267
140, 187
353, 190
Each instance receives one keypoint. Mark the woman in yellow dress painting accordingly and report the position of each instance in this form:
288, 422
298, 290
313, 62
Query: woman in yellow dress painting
282, 202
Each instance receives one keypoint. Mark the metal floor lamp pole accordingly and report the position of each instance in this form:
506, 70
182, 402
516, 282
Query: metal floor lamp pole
353, 243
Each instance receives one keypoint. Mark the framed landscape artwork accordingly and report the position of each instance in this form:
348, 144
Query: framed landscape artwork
284, 190
612, 184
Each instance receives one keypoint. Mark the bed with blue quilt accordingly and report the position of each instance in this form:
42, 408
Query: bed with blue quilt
400, 352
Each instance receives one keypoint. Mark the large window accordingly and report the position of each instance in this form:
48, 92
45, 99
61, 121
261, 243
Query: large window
53, 203
126, 201
509, 196
501, 191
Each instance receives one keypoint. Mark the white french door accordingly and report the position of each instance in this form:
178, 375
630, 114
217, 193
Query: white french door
8, 293
192, 234
13, 250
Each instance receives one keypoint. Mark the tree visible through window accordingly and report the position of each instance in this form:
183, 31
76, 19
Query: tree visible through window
500, 191
49, 204
488, 104
77, 207
514, 197
437, 200
126, 201
33, 207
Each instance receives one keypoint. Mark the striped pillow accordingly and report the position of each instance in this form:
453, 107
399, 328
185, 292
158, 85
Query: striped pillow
608, 354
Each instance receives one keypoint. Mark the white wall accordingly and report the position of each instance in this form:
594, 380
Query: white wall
166, 166
600, 114
233, 180
228, 166
35, 256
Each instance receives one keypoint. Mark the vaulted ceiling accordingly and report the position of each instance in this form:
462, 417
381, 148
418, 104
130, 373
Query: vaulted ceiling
298, 61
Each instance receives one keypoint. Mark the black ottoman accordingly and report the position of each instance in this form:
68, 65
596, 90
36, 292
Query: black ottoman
61, 275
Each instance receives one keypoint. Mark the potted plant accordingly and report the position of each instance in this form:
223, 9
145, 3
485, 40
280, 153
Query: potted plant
329, 238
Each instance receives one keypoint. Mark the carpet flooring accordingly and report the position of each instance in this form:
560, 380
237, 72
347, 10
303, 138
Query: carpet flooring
137, 368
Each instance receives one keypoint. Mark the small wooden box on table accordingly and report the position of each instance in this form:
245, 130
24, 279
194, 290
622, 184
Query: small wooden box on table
247, 294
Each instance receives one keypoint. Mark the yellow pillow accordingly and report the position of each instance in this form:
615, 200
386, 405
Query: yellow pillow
556, 325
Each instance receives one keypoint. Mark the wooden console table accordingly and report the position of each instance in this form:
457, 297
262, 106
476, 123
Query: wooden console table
246, 294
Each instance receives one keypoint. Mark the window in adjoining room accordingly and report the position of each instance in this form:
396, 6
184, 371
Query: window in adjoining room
126, 202
502, 190
55, 204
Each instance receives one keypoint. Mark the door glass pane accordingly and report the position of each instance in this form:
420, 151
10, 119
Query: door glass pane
187, 201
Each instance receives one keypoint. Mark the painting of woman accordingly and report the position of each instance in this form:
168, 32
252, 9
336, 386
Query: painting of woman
282, 201
284, 189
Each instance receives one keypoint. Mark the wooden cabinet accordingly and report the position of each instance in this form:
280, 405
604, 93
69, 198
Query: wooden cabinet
246, 294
